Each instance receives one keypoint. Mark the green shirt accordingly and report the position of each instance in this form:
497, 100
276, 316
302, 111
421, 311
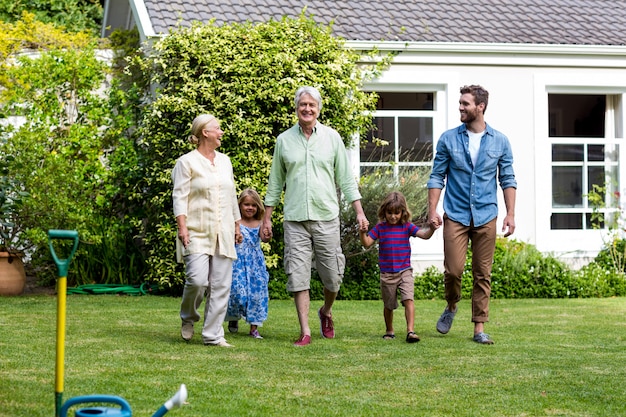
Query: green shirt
310, 171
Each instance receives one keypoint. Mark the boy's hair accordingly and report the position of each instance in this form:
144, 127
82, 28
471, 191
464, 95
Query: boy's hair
478, 92
394, 202
249, 192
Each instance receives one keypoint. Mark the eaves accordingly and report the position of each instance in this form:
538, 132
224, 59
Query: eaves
499, 54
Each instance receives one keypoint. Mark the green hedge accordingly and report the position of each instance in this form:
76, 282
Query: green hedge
521, 271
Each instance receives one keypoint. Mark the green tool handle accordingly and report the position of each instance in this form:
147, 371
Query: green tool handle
62, 264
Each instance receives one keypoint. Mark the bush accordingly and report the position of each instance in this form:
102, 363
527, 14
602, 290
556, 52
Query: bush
613, 255
596, 280
519, 271
249, 85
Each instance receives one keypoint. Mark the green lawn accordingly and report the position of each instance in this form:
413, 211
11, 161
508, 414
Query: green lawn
564, 357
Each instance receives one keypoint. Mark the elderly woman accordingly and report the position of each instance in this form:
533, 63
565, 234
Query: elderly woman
207, 215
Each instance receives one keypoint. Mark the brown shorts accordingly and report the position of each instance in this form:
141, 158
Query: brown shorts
391, 282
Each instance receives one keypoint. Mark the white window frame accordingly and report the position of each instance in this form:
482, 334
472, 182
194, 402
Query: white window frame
396, 114
570, 243
445, 86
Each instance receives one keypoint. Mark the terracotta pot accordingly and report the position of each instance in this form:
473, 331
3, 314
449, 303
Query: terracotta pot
12, 274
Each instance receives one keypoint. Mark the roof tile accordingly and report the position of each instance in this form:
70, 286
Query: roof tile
597, 22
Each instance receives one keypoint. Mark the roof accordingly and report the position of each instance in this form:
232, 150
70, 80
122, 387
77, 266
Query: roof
568, 22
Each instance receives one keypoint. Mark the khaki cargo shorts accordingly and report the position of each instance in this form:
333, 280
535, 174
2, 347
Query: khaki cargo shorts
310, 241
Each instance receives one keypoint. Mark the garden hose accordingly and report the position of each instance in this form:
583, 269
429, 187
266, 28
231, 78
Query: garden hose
119, 289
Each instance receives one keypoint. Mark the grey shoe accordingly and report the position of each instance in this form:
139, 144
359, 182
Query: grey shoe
482, 338
186, 331
445, 321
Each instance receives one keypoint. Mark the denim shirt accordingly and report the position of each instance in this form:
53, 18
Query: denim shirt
471, 191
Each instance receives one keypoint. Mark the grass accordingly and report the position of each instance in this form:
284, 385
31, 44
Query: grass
556, 357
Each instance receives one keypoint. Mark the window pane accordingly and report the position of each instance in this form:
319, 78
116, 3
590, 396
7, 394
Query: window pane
612, 174
416, 139
597, 177
567, 152
383, 129
567, 189
595, 153
405, 101
576, 115
594, 221
566, 221
611, 152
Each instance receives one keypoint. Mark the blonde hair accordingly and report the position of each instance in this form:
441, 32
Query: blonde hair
197, 125
394, 202
249, 192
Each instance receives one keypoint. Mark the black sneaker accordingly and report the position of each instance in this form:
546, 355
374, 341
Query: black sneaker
233, 326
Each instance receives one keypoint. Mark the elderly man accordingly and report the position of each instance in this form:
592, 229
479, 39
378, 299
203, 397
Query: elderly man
309, 162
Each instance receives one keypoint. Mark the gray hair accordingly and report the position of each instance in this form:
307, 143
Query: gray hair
312, 91
197, 125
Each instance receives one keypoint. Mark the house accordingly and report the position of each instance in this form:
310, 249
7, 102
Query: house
555, 70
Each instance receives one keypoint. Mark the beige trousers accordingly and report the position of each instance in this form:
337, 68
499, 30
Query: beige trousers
456, 238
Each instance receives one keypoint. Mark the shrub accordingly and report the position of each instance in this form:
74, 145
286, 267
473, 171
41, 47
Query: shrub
613, 255
249, 85
519, 271
596, 280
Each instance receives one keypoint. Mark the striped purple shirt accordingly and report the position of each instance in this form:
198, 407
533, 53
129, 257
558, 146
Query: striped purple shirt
394, 247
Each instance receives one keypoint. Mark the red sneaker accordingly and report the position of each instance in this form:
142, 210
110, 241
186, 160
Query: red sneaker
326, 324
303, 341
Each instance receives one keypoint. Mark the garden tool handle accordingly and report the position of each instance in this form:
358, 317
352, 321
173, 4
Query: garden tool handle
62, 264
176, 401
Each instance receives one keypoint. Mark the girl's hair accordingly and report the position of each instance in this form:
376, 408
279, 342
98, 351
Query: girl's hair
249, 192
394, 202
312, 91
197, 125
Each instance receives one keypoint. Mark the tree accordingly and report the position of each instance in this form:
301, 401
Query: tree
246, 75
73, 15
55, 83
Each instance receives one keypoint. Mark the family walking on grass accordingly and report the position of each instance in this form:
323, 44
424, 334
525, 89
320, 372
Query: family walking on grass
220, 233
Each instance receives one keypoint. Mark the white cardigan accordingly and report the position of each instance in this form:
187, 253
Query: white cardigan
206, 195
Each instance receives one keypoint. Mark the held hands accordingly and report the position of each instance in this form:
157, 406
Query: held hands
363, 223
434, 220
266, 230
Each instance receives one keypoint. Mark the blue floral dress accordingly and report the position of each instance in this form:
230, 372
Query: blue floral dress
248, 293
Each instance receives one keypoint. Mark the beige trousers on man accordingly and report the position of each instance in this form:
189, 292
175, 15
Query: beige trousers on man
456, 238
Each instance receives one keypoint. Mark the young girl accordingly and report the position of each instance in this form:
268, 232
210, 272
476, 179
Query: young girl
248, 293
394, 259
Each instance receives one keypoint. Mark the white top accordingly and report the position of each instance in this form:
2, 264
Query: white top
206, 195
474, 145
